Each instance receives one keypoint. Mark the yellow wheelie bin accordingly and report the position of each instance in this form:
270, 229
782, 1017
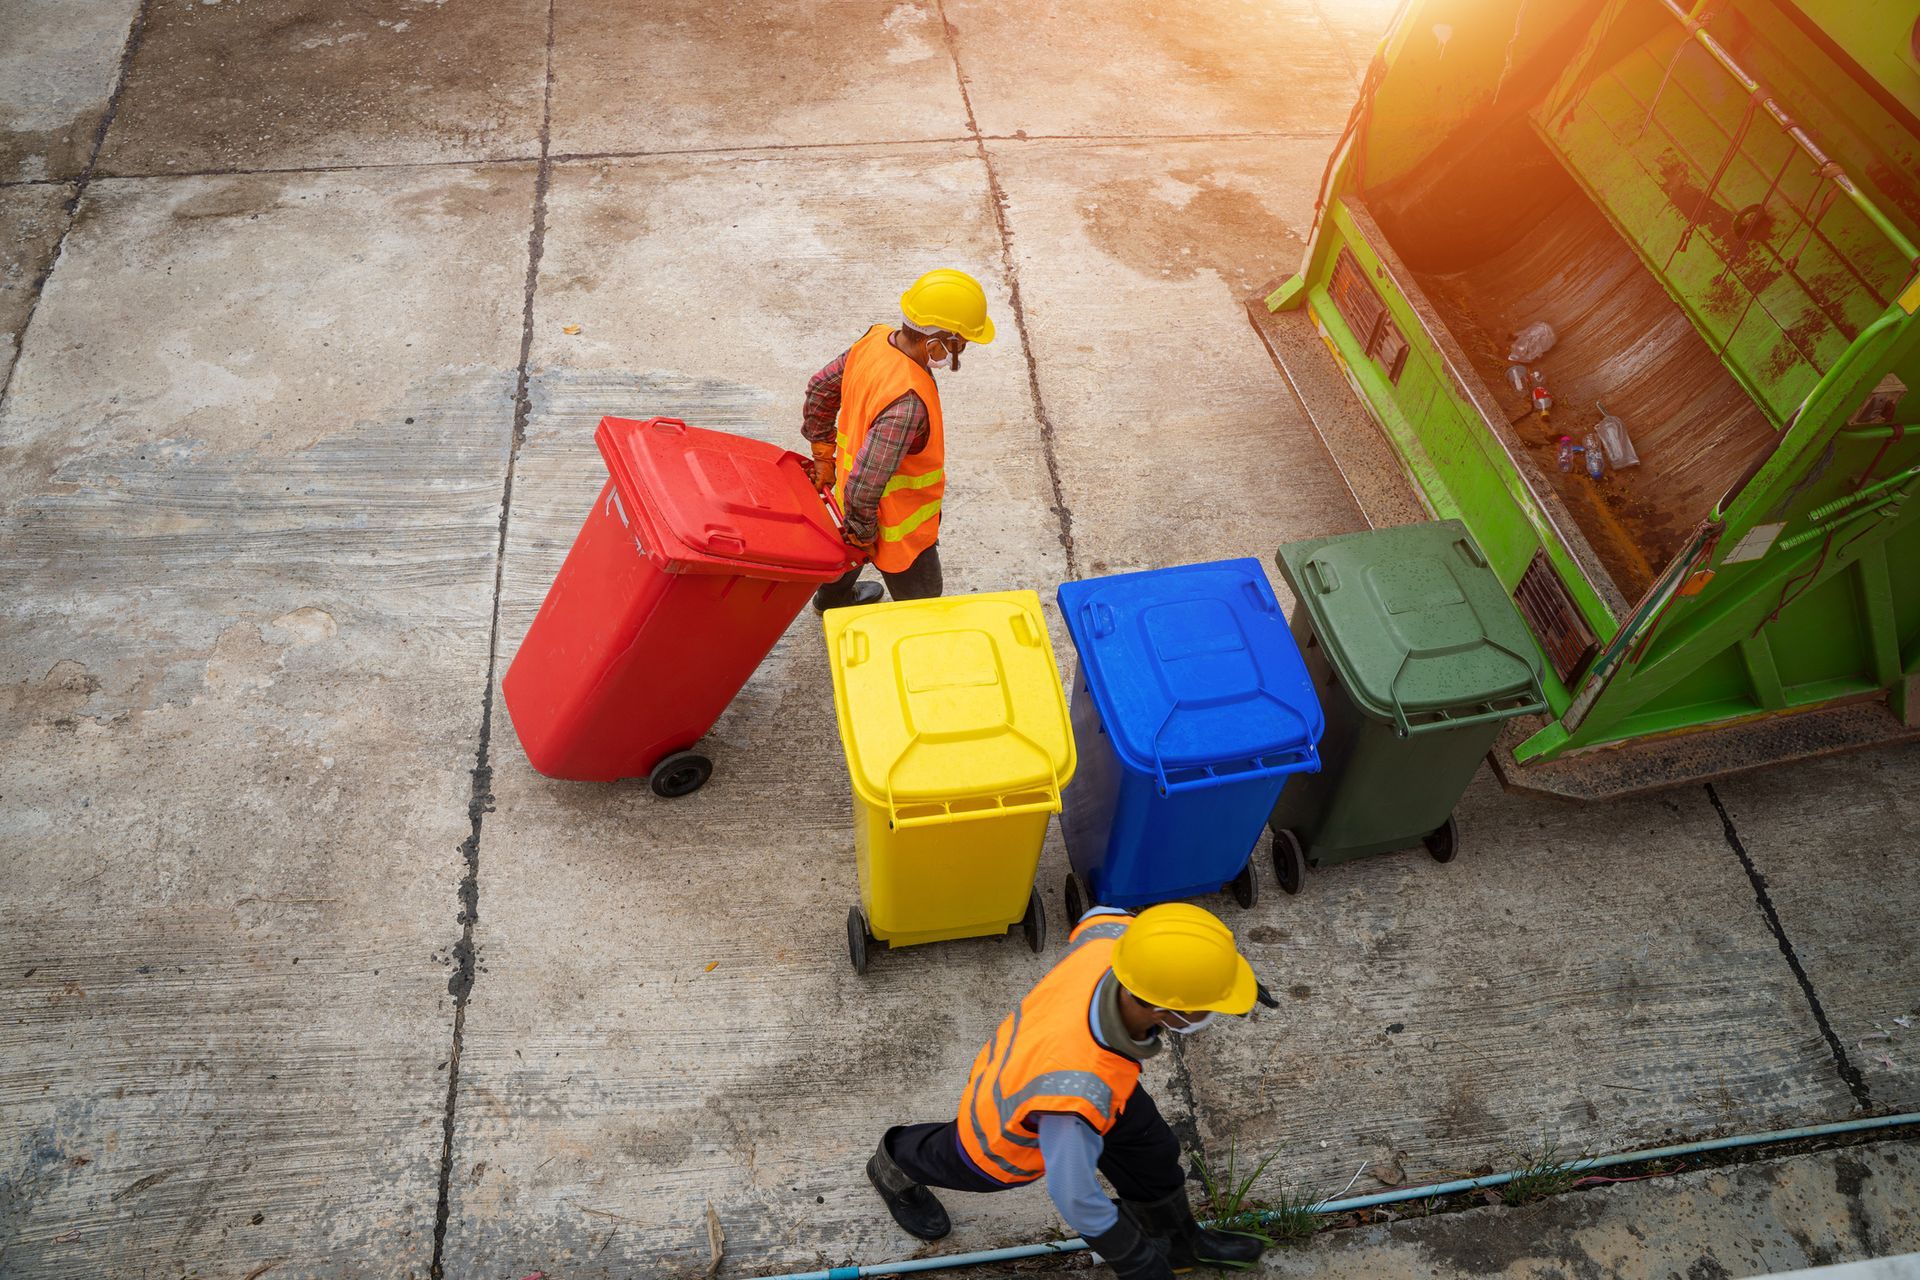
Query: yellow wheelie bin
958, 744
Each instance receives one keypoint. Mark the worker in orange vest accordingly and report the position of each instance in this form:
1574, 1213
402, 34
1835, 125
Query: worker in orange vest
873, 418
1056, 1093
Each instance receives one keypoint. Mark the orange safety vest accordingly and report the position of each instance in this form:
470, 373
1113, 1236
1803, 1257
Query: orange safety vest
1044, 1058
877, 373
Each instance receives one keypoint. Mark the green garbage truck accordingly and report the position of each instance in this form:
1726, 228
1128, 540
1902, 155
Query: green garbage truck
1629, 288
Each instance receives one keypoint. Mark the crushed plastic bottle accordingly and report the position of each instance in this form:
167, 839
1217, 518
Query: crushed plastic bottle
1614, 438
1520, 378
1532, 342
1564, 454
1542, 398
1596, 460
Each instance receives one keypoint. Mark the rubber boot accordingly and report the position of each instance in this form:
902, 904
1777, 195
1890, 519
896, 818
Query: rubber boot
863, 593
1189, 1244
917, 1210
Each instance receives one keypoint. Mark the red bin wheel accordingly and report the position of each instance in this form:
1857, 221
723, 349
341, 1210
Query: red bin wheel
680, 774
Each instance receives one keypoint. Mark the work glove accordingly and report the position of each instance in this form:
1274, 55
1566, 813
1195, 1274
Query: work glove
1130, 1253
823, 465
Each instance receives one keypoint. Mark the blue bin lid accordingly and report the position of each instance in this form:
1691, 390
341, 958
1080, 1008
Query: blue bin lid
1194, 668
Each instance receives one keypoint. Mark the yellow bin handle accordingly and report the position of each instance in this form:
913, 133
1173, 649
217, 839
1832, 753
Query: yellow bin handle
1050, 805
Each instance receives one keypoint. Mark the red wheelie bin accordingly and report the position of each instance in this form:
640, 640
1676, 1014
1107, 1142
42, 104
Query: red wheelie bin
700, 550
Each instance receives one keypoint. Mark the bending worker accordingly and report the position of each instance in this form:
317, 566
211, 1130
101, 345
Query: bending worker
873, 417
1056, 1093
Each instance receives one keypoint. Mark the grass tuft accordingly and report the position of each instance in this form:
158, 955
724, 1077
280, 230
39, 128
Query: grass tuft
1536, 1175
1233, 1206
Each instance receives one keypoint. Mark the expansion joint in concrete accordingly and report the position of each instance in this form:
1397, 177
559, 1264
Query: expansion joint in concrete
748, 150
135, 31
1856, 1084
480, 801
1185, 1120
1333, 34
998, 198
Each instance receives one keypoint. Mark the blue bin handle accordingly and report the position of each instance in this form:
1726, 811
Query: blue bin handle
1099, 619
1300, 760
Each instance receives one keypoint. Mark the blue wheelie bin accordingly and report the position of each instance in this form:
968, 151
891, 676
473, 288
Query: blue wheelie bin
1191, 708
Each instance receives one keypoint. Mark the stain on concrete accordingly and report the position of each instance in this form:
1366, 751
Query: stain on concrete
770, 75
241, 661
1758, 1219
307, 625
58, 66
285, 83
32, 220
53, 699
1177, 67
1189, 221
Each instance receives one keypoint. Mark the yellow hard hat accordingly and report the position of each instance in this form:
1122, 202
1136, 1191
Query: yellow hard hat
950, 300
1177, 956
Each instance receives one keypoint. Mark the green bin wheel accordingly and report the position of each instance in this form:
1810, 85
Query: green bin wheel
1076, 900
1245, 887
1289, 861
857, 939
1034, 924
680, 774
1443, 842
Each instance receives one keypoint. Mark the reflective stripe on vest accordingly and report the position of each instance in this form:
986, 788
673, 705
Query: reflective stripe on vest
1110, 927
1043, 1058
876, 374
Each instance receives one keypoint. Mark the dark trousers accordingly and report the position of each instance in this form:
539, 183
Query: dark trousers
918, 581
1140, 1157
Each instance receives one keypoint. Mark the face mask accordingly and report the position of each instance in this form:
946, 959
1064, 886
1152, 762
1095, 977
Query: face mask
949, 360
1186, 1028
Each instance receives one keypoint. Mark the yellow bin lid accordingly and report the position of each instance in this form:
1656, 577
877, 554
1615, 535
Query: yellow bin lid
951, 708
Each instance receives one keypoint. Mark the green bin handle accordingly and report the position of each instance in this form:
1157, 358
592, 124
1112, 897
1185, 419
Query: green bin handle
1492, 713
1323, 578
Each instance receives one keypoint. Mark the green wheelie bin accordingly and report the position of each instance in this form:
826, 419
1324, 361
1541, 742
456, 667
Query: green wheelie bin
1417, 656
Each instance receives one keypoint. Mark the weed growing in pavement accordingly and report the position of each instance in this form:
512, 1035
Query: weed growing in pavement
1546, 1174
1234, 1208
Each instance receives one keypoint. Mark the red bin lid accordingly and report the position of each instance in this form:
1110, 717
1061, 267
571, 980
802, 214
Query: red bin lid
712, 502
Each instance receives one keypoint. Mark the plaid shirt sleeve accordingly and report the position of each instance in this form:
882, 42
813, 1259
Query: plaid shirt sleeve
902, 428
823, 401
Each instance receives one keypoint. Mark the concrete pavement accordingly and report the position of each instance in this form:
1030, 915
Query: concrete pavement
304, 968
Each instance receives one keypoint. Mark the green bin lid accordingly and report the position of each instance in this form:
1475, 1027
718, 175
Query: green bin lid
1416, 625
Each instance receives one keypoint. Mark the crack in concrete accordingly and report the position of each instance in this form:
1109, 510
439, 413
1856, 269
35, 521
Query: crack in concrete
998, 197
1856, 1083
460, 985
80, 183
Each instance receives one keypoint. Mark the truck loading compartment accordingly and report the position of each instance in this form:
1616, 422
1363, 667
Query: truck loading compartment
1531, 246
1715, 209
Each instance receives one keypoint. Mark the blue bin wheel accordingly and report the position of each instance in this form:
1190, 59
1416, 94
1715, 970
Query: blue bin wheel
680, 774
857, 939
1033, 925
1245, 887
1443, 842
1076, 899
1289, 861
